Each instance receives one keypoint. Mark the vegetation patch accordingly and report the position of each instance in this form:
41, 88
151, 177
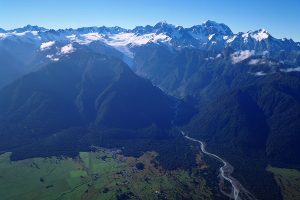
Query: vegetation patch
91, 177
288, 181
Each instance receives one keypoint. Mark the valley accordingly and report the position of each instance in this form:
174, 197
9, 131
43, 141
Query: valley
238, 192
94, 113
102, 174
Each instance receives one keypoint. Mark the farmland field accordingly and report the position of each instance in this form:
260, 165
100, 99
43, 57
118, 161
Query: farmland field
103, 174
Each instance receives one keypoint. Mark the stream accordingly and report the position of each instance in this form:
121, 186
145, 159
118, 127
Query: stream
238, 191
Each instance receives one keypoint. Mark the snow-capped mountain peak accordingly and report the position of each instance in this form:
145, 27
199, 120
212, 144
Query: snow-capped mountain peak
209, 35
260, 35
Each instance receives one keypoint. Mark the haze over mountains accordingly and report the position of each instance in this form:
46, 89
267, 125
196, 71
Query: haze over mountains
64, 90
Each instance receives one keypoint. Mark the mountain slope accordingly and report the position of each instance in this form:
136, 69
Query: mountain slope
248, 106
77, 91
81, 90
253, 127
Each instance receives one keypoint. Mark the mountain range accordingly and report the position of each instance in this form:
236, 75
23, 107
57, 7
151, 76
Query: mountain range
210, 37
64, 90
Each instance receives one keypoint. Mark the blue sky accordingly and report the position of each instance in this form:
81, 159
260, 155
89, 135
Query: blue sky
279, 17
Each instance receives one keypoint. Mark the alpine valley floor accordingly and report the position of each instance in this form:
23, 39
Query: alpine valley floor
103, 174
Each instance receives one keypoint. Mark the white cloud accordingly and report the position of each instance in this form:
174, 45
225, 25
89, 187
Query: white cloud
67, 49
46, 45
36, 33
72, 37
20, 34
25, 36
239, 56
296, 69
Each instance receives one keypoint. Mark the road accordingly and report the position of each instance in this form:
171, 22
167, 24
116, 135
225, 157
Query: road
238, 191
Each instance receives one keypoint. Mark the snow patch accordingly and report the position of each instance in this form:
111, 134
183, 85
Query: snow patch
254, 61
261, 35
239, 56
260, 73
209, 58
90, 37
245, 37
230, 40
123, 39
219, 55
51, 57
67, 49
211, 36
296, 69
85, 38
